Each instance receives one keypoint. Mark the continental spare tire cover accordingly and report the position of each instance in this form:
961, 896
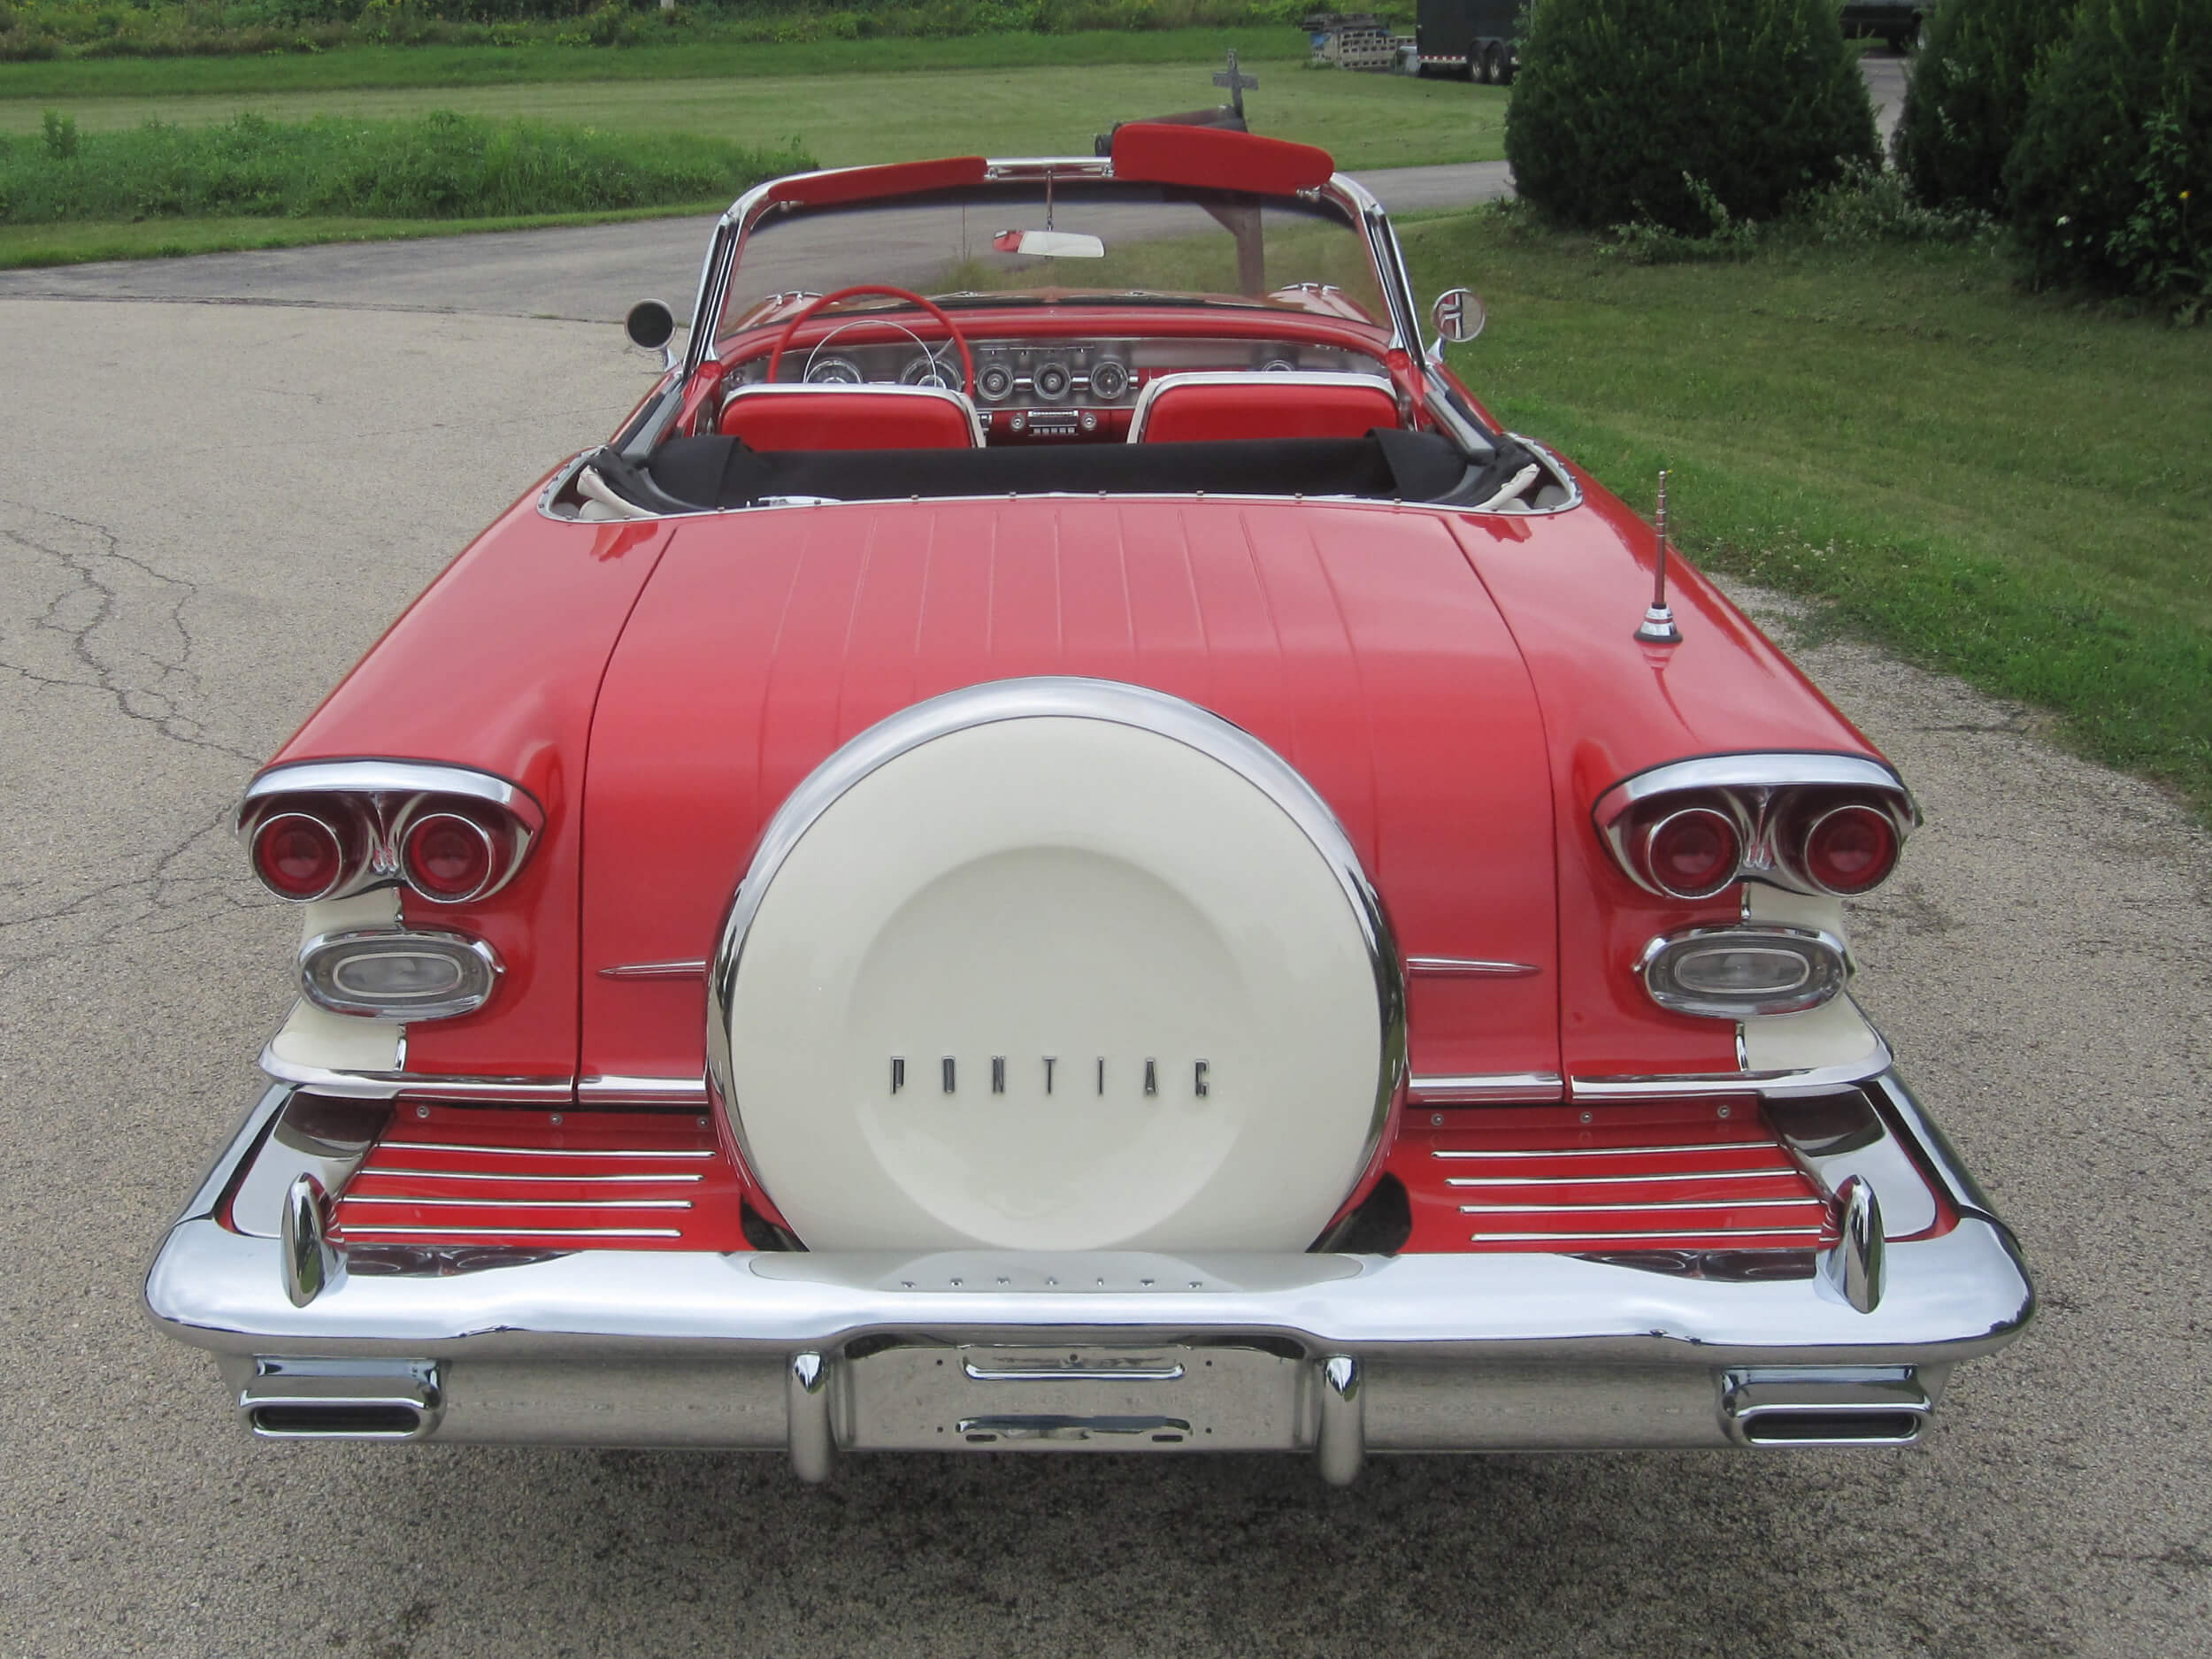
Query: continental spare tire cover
1056, 965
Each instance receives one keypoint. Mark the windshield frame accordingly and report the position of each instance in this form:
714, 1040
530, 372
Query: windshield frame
1364, 213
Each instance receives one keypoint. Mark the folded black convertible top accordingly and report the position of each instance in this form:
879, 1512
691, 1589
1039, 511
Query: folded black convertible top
708, 472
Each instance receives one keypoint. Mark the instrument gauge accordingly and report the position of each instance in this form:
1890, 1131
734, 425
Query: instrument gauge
993, 381
931, 370
834, 372
1051, 381
1110, 378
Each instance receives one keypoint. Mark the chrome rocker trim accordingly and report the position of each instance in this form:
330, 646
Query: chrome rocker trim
1336, 1355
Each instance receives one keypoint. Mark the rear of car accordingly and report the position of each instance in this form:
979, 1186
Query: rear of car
1076, 940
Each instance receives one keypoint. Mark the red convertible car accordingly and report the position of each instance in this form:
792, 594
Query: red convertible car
1063, 844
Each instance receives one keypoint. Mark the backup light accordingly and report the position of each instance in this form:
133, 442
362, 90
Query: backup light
396, 973
1736, 972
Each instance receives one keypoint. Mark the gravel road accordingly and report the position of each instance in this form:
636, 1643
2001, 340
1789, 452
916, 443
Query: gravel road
207, 512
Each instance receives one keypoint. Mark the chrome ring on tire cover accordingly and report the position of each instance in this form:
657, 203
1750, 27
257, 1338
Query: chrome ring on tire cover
1061, 697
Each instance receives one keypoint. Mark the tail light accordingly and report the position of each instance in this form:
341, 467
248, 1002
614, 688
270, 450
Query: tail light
1849, 850
1817, 824
300, 855
328, 829
1693, 853
450, 856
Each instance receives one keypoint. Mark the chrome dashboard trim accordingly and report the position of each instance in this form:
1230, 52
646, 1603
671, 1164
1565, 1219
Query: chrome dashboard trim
1061, 696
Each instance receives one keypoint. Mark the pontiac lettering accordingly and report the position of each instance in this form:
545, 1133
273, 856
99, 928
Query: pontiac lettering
1149, 1078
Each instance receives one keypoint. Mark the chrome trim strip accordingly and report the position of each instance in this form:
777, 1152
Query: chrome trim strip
539, 1152
1609, 1152
1565, 1237
413, 1086
1809, 1079
656, 1178
373, 776
670, 1091
525, 1232
1063, 698
1471, 967
1154, 389
688, 970
1783, 1169
522, 1203
1591, 1210
1444, 1091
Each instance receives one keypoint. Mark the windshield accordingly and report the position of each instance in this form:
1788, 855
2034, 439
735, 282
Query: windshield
1081, 242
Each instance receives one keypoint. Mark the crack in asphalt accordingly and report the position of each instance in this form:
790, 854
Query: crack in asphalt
114, 624
88, 615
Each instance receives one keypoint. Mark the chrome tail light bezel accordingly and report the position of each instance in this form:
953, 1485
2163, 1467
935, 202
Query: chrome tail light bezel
1775, 800
374, 805
476, 973
1826, 959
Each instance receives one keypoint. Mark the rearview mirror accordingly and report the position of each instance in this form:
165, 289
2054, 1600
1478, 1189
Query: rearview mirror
1457, 315
1049, 244
650, 325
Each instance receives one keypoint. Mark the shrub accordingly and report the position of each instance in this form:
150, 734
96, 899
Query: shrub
2109, 184
1622, 109
1968, 97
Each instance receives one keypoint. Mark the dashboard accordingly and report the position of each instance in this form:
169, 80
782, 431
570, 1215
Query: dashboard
1031, 390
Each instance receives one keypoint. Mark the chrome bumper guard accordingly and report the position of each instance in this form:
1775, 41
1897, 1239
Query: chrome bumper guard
1335, 1355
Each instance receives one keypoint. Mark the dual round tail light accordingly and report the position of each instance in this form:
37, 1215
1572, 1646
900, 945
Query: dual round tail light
328, 829
1820, 824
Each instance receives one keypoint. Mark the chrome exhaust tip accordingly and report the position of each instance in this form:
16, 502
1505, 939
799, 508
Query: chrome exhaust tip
1825, 1408
341, 1400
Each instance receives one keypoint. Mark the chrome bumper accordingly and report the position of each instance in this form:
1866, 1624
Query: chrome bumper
1337, 1355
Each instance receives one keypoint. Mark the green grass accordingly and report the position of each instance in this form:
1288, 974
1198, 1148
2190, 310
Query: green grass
32, 246
2007, 488
438, 166
363, 66
1365, 121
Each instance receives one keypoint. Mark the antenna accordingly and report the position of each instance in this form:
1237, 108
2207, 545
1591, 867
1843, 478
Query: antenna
1657, 627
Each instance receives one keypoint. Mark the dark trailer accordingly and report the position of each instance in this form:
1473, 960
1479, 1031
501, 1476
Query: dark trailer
1470, 38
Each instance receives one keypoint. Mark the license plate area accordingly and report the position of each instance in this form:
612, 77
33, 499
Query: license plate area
1169, 1398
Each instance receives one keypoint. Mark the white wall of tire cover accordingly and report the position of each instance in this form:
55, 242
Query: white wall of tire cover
1072, 888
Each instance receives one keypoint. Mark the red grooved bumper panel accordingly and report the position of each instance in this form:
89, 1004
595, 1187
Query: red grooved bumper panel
1607, 1178
610, 1180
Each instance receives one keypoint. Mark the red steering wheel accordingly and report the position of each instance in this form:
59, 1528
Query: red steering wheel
952, 331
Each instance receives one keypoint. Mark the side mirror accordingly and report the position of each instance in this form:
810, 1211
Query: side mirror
1457, 315
651, 325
